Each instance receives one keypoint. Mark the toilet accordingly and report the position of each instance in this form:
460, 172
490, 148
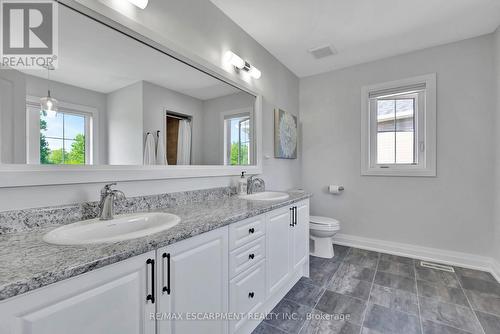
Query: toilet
321, 231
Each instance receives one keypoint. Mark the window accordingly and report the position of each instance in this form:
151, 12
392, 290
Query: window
63, 138
237, 140
399, 128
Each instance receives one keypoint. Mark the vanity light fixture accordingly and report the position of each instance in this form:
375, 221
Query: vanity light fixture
139, 3
235, 60
48, 104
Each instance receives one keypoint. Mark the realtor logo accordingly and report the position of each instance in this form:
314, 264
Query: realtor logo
29, 34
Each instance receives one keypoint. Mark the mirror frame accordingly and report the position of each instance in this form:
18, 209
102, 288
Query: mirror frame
17, 175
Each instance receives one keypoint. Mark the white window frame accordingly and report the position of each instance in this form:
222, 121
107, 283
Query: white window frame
425, 129
33, 128
224, 133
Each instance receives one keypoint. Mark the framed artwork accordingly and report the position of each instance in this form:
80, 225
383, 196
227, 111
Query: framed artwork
285, 135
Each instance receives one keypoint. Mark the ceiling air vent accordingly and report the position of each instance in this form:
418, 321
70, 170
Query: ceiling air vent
322, 51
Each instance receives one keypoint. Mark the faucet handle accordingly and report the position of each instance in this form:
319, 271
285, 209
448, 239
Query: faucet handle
107, 188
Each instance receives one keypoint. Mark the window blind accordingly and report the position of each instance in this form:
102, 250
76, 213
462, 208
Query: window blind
397, 91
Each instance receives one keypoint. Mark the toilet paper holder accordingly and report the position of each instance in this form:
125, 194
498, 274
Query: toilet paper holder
335, 189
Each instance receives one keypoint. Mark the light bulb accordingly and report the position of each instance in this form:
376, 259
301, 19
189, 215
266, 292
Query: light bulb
254, 72
231, 58
49, 105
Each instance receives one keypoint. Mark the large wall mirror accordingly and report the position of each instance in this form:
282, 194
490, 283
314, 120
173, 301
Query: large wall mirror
116, 101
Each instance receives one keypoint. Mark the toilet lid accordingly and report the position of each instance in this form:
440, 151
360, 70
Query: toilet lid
324, 221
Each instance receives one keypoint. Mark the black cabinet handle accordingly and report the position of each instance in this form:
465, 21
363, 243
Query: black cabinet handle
251, 256
291, 217
166, 287
294, 215
151, 296
251, 294
251, 230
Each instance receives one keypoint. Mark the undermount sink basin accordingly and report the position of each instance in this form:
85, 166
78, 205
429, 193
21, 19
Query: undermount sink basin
266, 196
122, 227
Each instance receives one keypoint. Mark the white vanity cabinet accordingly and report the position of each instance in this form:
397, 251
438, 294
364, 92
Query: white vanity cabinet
287, 243
192, 284
109, 300
300, 236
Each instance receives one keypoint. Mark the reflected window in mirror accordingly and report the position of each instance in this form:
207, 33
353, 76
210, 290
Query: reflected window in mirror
237, 140
59, 138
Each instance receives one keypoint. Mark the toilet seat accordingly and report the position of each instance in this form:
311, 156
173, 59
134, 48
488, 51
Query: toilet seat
323, 223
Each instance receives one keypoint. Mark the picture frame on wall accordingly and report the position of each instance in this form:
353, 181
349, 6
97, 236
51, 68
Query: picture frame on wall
285, 135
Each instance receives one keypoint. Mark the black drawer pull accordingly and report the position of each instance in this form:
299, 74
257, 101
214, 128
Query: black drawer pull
251, 230
295, 215
251, 256
151, 296
292, 217
251, 294
166, 287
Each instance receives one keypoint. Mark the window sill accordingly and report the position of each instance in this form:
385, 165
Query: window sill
421, 172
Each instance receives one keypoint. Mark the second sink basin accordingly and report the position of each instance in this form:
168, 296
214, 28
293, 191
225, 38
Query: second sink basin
266, 196
122, 227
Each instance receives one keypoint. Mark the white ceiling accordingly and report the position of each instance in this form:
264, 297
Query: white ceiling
360, 30
95, 57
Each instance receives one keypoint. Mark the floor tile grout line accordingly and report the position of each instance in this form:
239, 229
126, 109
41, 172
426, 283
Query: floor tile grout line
279, 329
470, 304
418, 298
448, 325
324, 290
369, 295
312, 309
448, 303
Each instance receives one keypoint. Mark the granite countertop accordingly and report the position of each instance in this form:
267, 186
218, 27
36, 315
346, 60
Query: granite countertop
28, 263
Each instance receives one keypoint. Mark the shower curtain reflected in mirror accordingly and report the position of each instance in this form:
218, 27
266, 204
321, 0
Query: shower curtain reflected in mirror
184, 143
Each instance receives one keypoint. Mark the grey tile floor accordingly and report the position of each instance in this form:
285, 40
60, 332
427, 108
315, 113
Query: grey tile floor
366, 292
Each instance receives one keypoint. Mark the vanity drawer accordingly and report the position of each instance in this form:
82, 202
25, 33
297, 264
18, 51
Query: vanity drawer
245, 231
247, 292
246, 256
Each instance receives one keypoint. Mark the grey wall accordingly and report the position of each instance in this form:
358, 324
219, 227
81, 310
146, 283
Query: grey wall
452, 211
12, 117
124, 126
202, 29
157, 99
213, 129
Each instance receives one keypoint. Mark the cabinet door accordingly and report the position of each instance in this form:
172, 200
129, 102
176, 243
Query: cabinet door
197, 285
278, 248
109, 300
300, 242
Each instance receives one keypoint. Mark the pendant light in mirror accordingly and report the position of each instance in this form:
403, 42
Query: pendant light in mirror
48, 104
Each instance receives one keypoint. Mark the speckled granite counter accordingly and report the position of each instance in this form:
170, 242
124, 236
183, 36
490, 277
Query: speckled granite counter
28, 263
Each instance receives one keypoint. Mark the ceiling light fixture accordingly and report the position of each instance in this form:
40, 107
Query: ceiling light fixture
48, 104
139, 3
233, 59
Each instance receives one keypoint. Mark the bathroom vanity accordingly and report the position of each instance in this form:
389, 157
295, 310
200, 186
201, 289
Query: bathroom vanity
219, 270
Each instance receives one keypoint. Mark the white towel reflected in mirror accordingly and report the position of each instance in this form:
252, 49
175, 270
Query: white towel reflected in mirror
149, 150
161, 152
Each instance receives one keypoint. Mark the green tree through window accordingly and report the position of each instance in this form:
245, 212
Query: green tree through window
62, 139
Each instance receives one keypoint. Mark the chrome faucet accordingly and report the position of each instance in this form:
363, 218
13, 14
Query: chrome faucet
255, 182
106, 204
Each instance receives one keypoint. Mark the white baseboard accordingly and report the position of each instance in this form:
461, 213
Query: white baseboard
423, 253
